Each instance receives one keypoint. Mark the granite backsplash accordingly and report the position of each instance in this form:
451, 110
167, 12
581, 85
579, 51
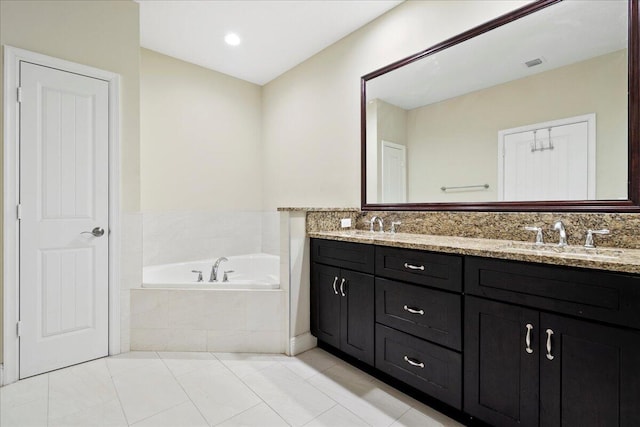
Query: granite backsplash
624, 228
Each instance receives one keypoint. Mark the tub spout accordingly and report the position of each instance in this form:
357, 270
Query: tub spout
214, 270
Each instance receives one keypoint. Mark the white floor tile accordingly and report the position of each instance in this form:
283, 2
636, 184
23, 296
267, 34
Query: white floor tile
217, 393
337, 416
79, 388
310, 362
243, 364
30, 414
24, 391
258, 416
131, 362
425, 417
180, 363
289, 395
183, 415
107, 414
360, 394
148, 391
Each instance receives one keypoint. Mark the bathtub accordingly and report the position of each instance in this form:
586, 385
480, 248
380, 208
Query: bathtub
253, 271
174, 312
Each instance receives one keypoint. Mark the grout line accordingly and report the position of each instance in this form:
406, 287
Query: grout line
321, 414
183, 389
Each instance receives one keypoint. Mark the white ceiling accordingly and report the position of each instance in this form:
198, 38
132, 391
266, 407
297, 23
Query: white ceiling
276, 35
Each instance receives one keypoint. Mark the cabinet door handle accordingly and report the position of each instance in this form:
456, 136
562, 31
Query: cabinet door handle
549, 334
414, 310
413, 362
527, 339
342, 287
335, 280
413, 267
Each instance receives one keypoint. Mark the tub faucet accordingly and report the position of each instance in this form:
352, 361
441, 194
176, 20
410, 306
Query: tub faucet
559, 227
380, 223
214, 269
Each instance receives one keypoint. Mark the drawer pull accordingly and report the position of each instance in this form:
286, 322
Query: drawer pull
413, 267
335, 280
549, 334
527, 339
342, 287
413, 362
414, 310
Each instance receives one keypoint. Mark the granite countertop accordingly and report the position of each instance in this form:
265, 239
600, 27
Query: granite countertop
612, 259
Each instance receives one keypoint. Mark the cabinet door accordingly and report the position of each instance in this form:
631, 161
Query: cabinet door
594, 376
501, 376
357, 294
325, 304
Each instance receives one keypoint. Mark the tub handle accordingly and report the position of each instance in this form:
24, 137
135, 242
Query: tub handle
335, 280
225, 278
199, 274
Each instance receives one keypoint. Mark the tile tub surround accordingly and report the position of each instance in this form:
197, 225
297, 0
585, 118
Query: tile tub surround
208, 320
176, 236
625, 228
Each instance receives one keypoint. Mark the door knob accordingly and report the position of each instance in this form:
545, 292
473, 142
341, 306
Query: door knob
96, 232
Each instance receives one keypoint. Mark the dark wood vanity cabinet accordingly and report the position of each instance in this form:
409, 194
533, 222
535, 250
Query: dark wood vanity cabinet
542, 345
525, 366
342, 300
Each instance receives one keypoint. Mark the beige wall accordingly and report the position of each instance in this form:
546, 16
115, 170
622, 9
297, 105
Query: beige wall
101, 34
311, 121
200, 138
455, 142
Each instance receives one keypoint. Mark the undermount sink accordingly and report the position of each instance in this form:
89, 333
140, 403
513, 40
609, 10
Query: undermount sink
574, 251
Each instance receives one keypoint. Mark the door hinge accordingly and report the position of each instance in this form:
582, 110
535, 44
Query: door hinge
19, 328
19, 94
19, 212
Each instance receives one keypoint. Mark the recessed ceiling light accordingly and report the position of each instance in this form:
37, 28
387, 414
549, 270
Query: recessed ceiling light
232, 39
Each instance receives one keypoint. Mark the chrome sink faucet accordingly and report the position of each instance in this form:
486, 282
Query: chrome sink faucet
214, 269
559, 227
380, 223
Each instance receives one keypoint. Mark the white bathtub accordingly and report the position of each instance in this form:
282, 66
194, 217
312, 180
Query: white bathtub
253, 271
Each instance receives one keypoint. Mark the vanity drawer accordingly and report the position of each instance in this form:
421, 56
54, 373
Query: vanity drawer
432, 369
423, 268
592, 294
354, 256
426, 313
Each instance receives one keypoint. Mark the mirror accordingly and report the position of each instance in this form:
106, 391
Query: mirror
532, 111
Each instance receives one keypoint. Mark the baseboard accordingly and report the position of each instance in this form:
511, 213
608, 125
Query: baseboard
302, 343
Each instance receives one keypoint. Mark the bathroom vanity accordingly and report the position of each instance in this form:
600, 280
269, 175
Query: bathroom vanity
504, 341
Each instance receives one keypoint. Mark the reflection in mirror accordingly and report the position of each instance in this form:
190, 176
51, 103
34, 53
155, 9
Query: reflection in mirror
533, 110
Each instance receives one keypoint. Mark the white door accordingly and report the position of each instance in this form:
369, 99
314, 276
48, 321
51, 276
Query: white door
394, 173
554, 162
63, 193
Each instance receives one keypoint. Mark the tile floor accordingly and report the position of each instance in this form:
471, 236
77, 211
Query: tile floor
211, 389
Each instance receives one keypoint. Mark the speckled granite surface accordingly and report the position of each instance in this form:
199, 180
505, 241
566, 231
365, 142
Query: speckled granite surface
623, 260
625, 228
489, 233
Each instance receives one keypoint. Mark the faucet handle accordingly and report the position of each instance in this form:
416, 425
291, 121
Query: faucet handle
538, 231
393, 225
589, 240
225, 278
199, 274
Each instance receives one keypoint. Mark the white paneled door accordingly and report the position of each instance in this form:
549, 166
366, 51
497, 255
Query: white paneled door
394, 173
64, 204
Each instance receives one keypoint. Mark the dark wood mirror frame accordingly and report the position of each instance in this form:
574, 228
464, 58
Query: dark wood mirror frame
632, 204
